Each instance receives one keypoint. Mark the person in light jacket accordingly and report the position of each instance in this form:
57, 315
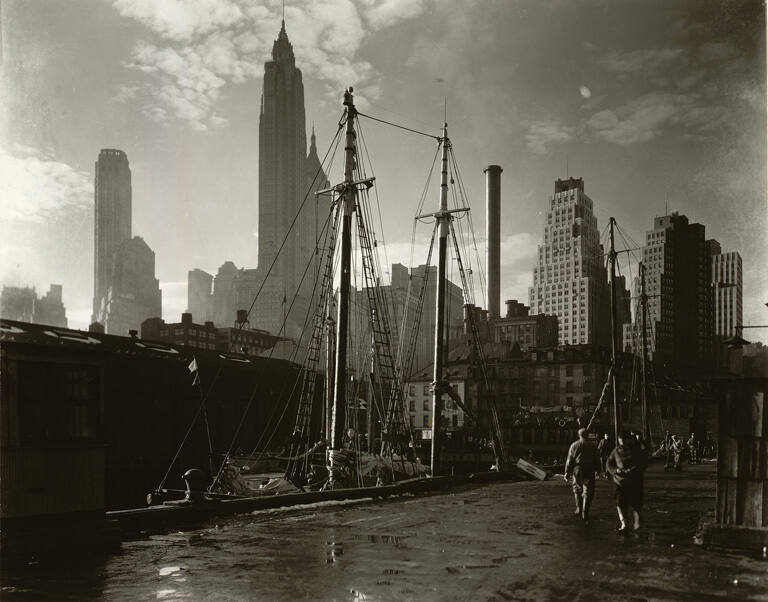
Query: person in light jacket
581, 465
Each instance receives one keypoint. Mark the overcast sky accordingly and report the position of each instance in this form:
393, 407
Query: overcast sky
654, 103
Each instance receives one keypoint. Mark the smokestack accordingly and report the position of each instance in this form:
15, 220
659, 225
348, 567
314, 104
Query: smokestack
493, 230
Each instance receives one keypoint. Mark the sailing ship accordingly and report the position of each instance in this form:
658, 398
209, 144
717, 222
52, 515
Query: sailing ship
341, 463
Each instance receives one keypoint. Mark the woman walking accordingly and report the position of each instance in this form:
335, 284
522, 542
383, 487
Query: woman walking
627, 464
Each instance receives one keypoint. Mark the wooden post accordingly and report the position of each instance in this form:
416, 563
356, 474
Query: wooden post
741, 511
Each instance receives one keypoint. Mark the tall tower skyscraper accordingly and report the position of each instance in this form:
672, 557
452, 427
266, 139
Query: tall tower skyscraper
679, 288
287, 176
112, 220
289, 215
569, 279
282, 157
727, 291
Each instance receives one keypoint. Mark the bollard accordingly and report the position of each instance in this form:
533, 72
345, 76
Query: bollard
196, 481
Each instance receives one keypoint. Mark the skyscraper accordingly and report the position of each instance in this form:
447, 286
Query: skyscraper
199, 299
282, 157
288, 178
112, 220
125, 290
134, 293
678, 285
569, 279
726, 290
24, 305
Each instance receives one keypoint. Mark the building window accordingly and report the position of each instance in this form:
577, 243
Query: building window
58, 403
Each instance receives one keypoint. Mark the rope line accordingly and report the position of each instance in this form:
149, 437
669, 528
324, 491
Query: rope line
402, 127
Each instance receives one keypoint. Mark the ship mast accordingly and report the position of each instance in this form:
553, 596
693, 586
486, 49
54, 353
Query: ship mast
643, 359
614, 326
442, 216
347, 203
348, 192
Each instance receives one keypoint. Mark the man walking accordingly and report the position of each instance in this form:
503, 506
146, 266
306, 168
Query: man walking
580, 466
627, 464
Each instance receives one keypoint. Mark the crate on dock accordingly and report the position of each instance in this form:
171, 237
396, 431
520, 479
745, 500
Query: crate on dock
531, 469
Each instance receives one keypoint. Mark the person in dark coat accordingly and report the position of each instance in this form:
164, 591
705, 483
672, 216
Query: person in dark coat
627, 464
581, 465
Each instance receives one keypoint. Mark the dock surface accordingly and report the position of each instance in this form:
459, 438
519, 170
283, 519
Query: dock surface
499, 541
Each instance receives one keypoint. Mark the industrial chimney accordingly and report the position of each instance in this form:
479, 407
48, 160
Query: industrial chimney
493, 238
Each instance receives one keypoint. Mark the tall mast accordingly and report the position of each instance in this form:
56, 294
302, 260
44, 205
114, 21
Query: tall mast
614, 326
442, 217
643, 360
330, 357
348, 194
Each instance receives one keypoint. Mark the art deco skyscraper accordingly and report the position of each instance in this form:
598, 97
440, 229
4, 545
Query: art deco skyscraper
569, 279
287, 176
282, 157
112, 202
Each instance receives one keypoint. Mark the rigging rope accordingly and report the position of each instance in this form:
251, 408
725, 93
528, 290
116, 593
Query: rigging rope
402, 127
601, 401
189, 430
204, 399
296, 217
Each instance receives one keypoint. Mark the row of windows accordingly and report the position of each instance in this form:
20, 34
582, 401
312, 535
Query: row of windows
201, 345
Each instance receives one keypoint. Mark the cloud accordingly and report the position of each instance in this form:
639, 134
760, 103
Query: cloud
716, 51
542, 135
201, 46
181, 20
650, 60
35, 185
46, 226
384, 13
644, 118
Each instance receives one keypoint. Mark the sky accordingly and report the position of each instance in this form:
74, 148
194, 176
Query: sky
660, 105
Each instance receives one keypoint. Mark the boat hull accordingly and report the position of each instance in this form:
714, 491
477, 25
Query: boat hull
142, 521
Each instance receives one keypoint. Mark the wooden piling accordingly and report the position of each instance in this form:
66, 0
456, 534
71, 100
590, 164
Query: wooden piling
741, 510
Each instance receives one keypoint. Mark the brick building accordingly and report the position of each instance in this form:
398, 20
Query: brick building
238, 338
518, 326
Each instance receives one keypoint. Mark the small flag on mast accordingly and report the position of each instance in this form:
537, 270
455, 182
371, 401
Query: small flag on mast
193, 370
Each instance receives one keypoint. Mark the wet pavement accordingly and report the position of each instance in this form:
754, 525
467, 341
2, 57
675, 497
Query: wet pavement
505, 541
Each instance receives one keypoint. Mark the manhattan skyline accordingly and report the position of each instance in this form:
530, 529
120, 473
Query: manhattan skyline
659, 106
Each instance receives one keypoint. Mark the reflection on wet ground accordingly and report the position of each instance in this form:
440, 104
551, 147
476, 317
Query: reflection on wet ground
506, 541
